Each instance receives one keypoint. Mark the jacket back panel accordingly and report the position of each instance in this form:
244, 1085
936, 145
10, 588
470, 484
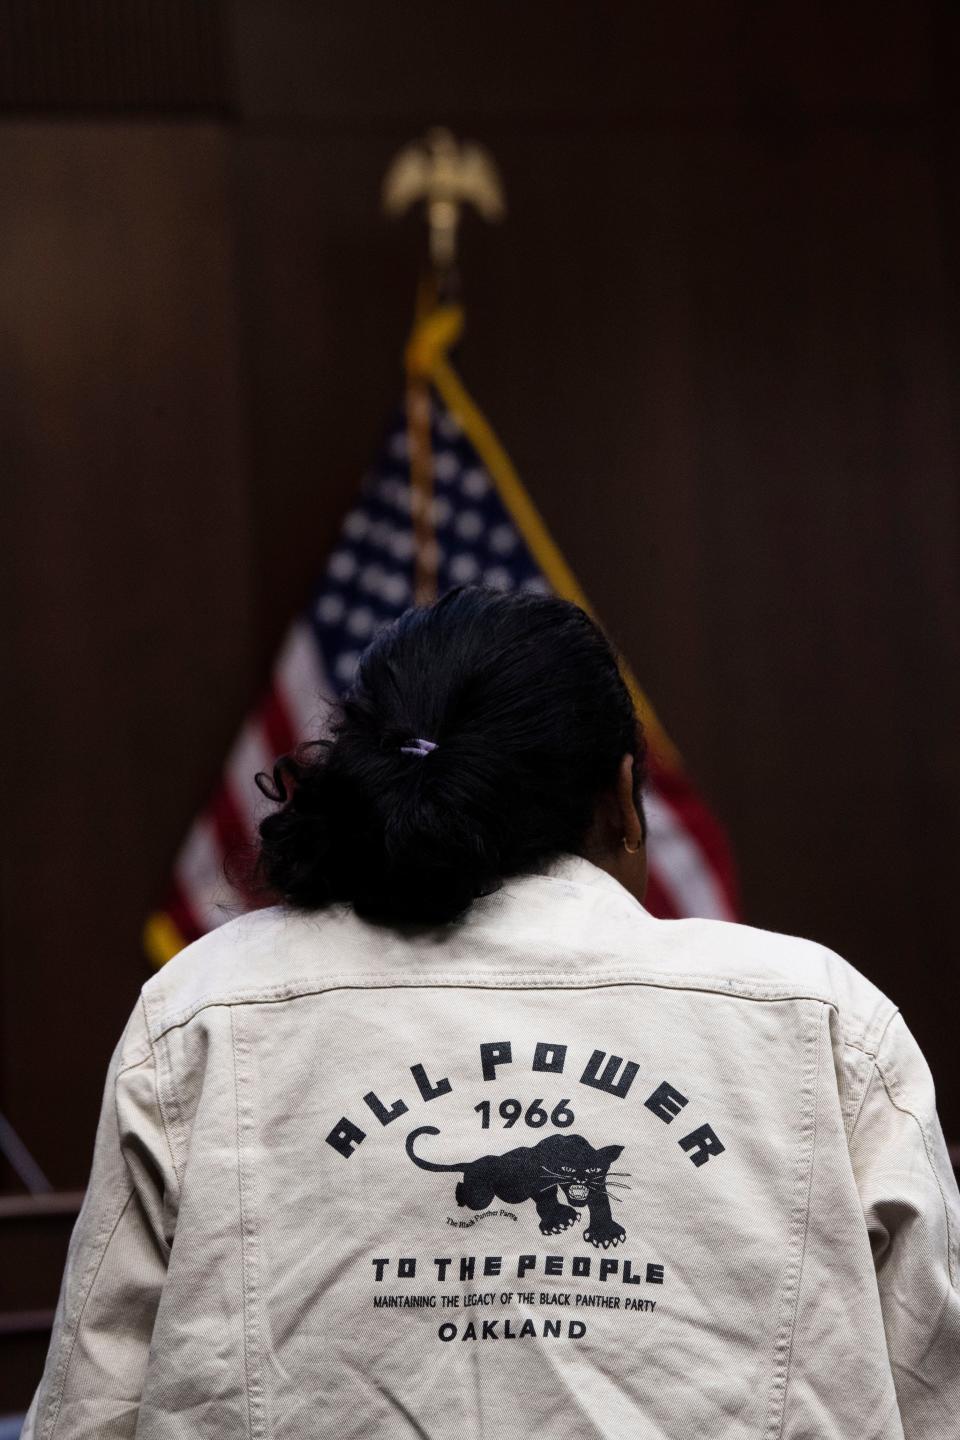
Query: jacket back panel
449, 1195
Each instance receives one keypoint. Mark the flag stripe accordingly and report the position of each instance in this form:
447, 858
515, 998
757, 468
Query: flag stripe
199, 875
657, 898
682, 869
703, 829
301, 682
252, 753
233, 836
179, 910
278, 726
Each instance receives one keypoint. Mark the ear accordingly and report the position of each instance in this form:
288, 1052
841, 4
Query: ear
631, 821
609, 1153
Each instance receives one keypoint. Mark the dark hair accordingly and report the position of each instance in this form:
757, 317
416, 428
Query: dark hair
523, 698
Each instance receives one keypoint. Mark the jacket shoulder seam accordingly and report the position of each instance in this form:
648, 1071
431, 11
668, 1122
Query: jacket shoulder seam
872, 1048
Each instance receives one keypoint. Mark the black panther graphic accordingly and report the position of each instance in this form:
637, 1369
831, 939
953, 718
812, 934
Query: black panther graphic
559, 1162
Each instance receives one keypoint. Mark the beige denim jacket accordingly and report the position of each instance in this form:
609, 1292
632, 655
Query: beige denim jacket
562, 1170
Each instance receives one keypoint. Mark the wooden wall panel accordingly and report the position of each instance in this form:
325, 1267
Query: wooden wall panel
355, 67
126, 577
106, 56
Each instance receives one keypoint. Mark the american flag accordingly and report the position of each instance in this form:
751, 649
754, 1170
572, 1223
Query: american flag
483, 529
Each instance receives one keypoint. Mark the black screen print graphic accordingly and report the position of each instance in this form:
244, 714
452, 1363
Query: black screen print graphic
565, 1163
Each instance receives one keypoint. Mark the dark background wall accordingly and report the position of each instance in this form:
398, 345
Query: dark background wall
718, 335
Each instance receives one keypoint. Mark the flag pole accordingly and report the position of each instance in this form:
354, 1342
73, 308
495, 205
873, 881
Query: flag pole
442, 175
420, 456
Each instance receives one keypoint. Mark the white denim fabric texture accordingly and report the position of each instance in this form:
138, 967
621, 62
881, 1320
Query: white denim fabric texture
741, 1220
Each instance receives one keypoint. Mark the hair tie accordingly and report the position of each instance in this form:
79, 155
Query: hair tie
418, 747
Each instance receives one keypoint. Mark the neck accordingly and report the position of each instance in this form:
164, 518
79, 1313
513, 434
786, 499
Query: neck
629, 870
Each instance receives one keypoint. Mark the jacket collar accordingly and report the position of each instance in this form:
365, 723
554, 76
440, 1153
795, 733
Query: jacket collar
567, 878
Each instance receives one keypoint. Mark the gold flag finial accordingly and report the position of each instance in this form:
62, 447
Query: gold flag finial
445, 175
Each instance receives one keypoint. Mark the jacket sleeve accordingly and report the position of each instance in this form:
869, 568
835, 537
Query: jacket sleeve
912, 1211
116, 1262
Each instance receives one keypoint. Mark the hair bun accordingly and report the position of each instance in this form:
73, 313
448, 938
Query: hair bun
530, 719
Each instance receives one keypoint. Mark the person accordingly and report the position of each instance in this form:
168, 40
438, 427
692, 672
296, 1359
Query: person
457, 1140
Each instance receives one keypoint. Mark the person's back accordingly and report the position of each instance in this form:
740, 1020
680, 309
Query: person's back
549, 1167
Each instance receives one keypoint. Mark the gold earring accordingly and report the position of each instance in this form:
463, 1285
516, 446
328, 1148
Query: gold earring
630, 850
